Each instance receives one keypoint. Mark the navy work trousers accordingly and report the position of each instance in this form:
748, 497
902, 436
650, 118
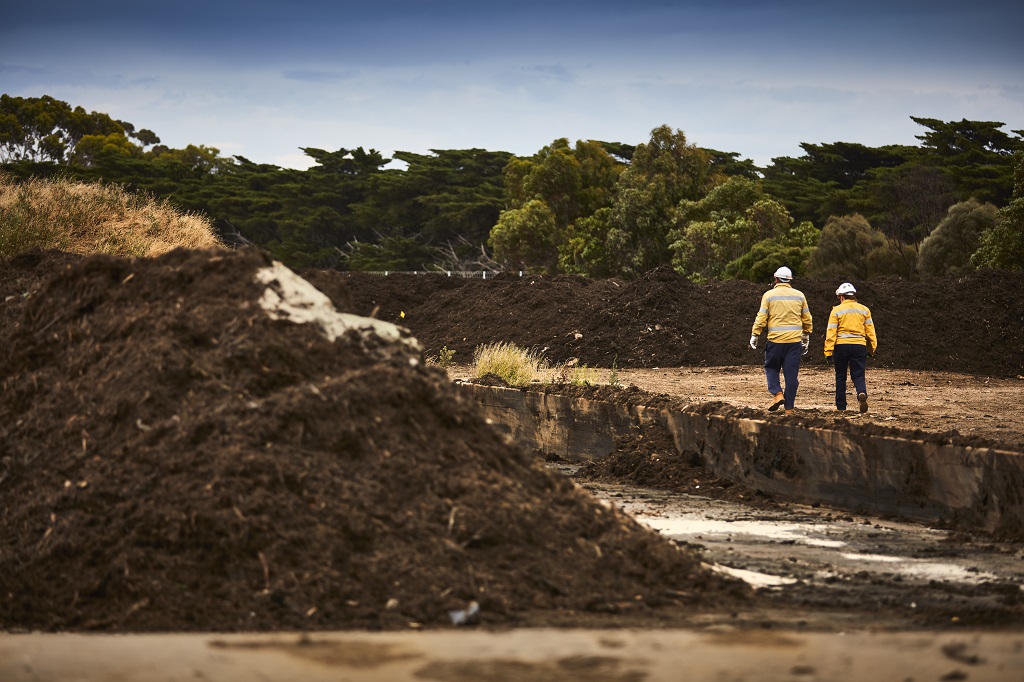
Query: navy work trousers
852, 356
784, 357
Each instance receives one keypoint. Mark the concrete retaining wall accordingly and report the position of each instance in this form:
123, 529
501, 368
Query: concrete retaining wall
979, 488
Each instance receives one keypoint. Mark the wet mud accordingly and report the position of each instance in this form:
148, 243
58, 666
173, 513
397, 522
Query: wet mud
830, 569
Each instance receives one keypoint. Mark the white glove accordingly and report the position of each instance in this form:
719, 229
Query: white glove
805, 341
753, 343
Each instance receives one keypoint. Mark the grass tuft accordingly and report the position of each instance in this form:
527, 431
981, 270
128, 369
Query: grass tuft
613, 375
574, 374
516, 366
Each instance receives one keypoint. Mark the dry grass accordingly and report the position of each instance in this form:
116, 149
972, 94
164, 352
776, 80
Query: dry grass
91, 218
519, 367
516, 366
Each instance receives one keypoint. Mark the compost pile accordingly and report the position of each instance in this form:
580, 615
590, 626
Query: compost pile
971, 324
172, 458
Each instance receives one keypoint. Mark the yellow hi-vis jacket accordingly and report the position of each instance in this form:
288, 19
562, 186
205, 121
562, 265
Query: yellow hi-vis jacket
850, 322
784, 310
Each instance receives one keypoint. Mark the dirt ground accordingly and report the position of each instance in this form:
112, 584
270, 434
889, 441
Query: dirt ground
950, 358
174, 459
971, 405
978, 408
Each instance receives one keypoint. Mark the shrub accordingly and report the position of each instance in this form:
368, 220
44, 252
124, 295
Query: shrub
843, 248
444, 359
1002, 246
948, 248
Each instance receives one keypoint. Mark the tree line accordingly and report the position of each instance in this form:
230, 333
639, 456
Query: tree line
951, 204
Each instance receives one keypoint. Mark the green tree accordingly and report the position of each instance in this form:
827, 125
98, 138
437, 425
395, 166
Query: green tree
620, 151
728, 164
398, 254
845, 249
792, 248
844, 164
527, 237
447, 196
93, 149
978, 155
47, 129
906, 203
31, 129
664, 171
722, 226
1002, 246
318, 211
198, 161
948, 249
572, 182
587, 249
819, 183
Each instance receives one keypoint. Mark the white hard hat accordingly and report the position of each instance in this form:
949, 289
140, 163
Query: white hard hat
845, 289
784, 274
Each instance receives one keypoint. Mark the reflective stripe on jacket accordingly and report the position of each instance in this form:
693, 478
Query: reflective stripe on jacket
784, 311
850, 322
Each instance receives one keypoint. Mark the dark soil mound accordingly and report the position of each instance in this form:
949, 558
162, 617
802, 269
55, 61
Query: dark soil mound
171, 458
972, 324
649, 458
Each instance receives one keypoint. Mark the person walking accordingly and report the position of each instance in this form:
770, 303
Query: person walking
849, 340
785, 314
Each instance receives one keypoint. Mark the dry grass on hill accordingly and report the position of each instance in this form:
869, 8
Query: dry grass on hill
92, 218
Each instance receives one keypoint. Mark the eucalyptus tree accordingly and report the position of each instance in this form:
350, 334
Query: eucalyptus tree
549, 195
664, 171
50, 130
527, 237
712, 232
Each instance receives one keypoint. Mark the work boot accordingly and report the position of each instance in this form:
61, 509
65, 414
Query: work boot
790, 411
862, 398
774, 403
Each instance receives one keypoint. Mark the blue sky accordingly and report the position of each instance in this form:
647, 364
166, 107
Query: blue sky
261, 79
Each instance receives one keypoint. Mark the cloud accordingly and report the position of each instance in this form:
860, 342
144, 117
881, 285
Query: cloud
17, 71
320, 76
555, 72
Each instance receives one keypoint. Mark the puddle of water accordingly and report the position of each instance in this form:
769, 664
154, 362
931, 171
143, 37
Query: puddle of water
752, 578
924, 569
772, 530
690, 526
784, 546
